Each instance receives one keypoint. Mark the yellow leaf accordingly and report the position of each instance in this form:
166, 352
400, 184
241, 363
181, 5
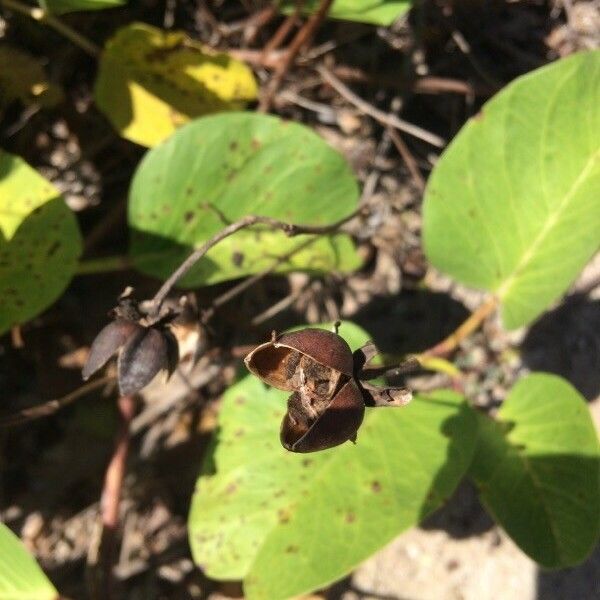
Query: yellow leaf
151, 81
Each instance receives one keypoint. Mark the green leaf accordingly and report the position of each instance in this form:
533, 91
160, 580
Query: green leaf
538, 470
60, 7
513, 205
375, 12
290, 523
152, 81
20, 576
238, 164
39, 242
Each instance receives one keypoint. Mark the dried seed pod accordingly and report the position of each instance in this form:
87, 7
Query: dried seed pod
146, 353
277, 362
107, 343
338, 423
144, 345
326, 407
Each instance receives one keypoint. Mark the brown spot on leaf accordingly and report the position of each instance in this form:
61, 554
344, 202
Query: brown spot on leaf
233, 146
283, 516
162, 54
231, 488
292, 550
53, 249
189, 215
255, 144
350, 517
376, 486
237, 258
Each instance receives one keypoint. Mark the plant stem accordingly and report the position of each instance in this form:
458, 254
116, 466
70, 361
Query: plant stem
289, 229
111, 493
406, 366
236, 290
52, 406
433, 358
105, 264
471, 324
387, 119
302, 38
42, 16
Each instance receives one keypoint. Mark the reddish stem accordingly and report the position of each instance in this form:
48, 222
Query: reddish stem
111, 493
302, 38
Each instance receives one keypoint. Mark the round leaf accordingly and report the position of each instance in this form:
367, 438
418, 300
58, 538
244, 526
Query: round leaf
218, 169
291, 523
20, 575
151, 81
39, 242
538, 470
513, 205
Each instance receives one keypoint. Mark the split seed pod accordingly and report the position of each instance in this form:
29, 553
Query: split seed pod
326, 407
144, 349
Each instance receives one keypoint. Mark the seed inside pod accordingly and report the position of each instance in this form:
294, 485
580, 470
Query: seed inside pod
316, 365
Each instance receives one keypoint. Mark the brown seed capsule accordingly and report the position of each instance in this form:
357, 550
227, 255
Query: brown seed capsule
145, 345
145, 354
337, 424
107, 343
326, 407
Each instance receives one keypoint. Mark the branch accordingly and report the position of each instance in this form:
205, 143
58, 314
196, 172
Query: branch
303, 37
408, 158
408, 366
389, 120
236, 290
283, 30
433, 358
111, 499
289, 229
470, 325
52, 406
42, 16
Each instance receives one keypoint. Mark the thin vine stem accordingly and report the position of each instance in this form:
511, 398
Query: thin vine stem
471, 324
52, 406
110, 500
289, 229
42, 16
434, 358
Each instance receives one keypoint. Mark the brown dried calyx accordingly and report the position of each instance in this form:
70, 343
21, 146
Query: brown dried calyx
144, 347
327, 404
